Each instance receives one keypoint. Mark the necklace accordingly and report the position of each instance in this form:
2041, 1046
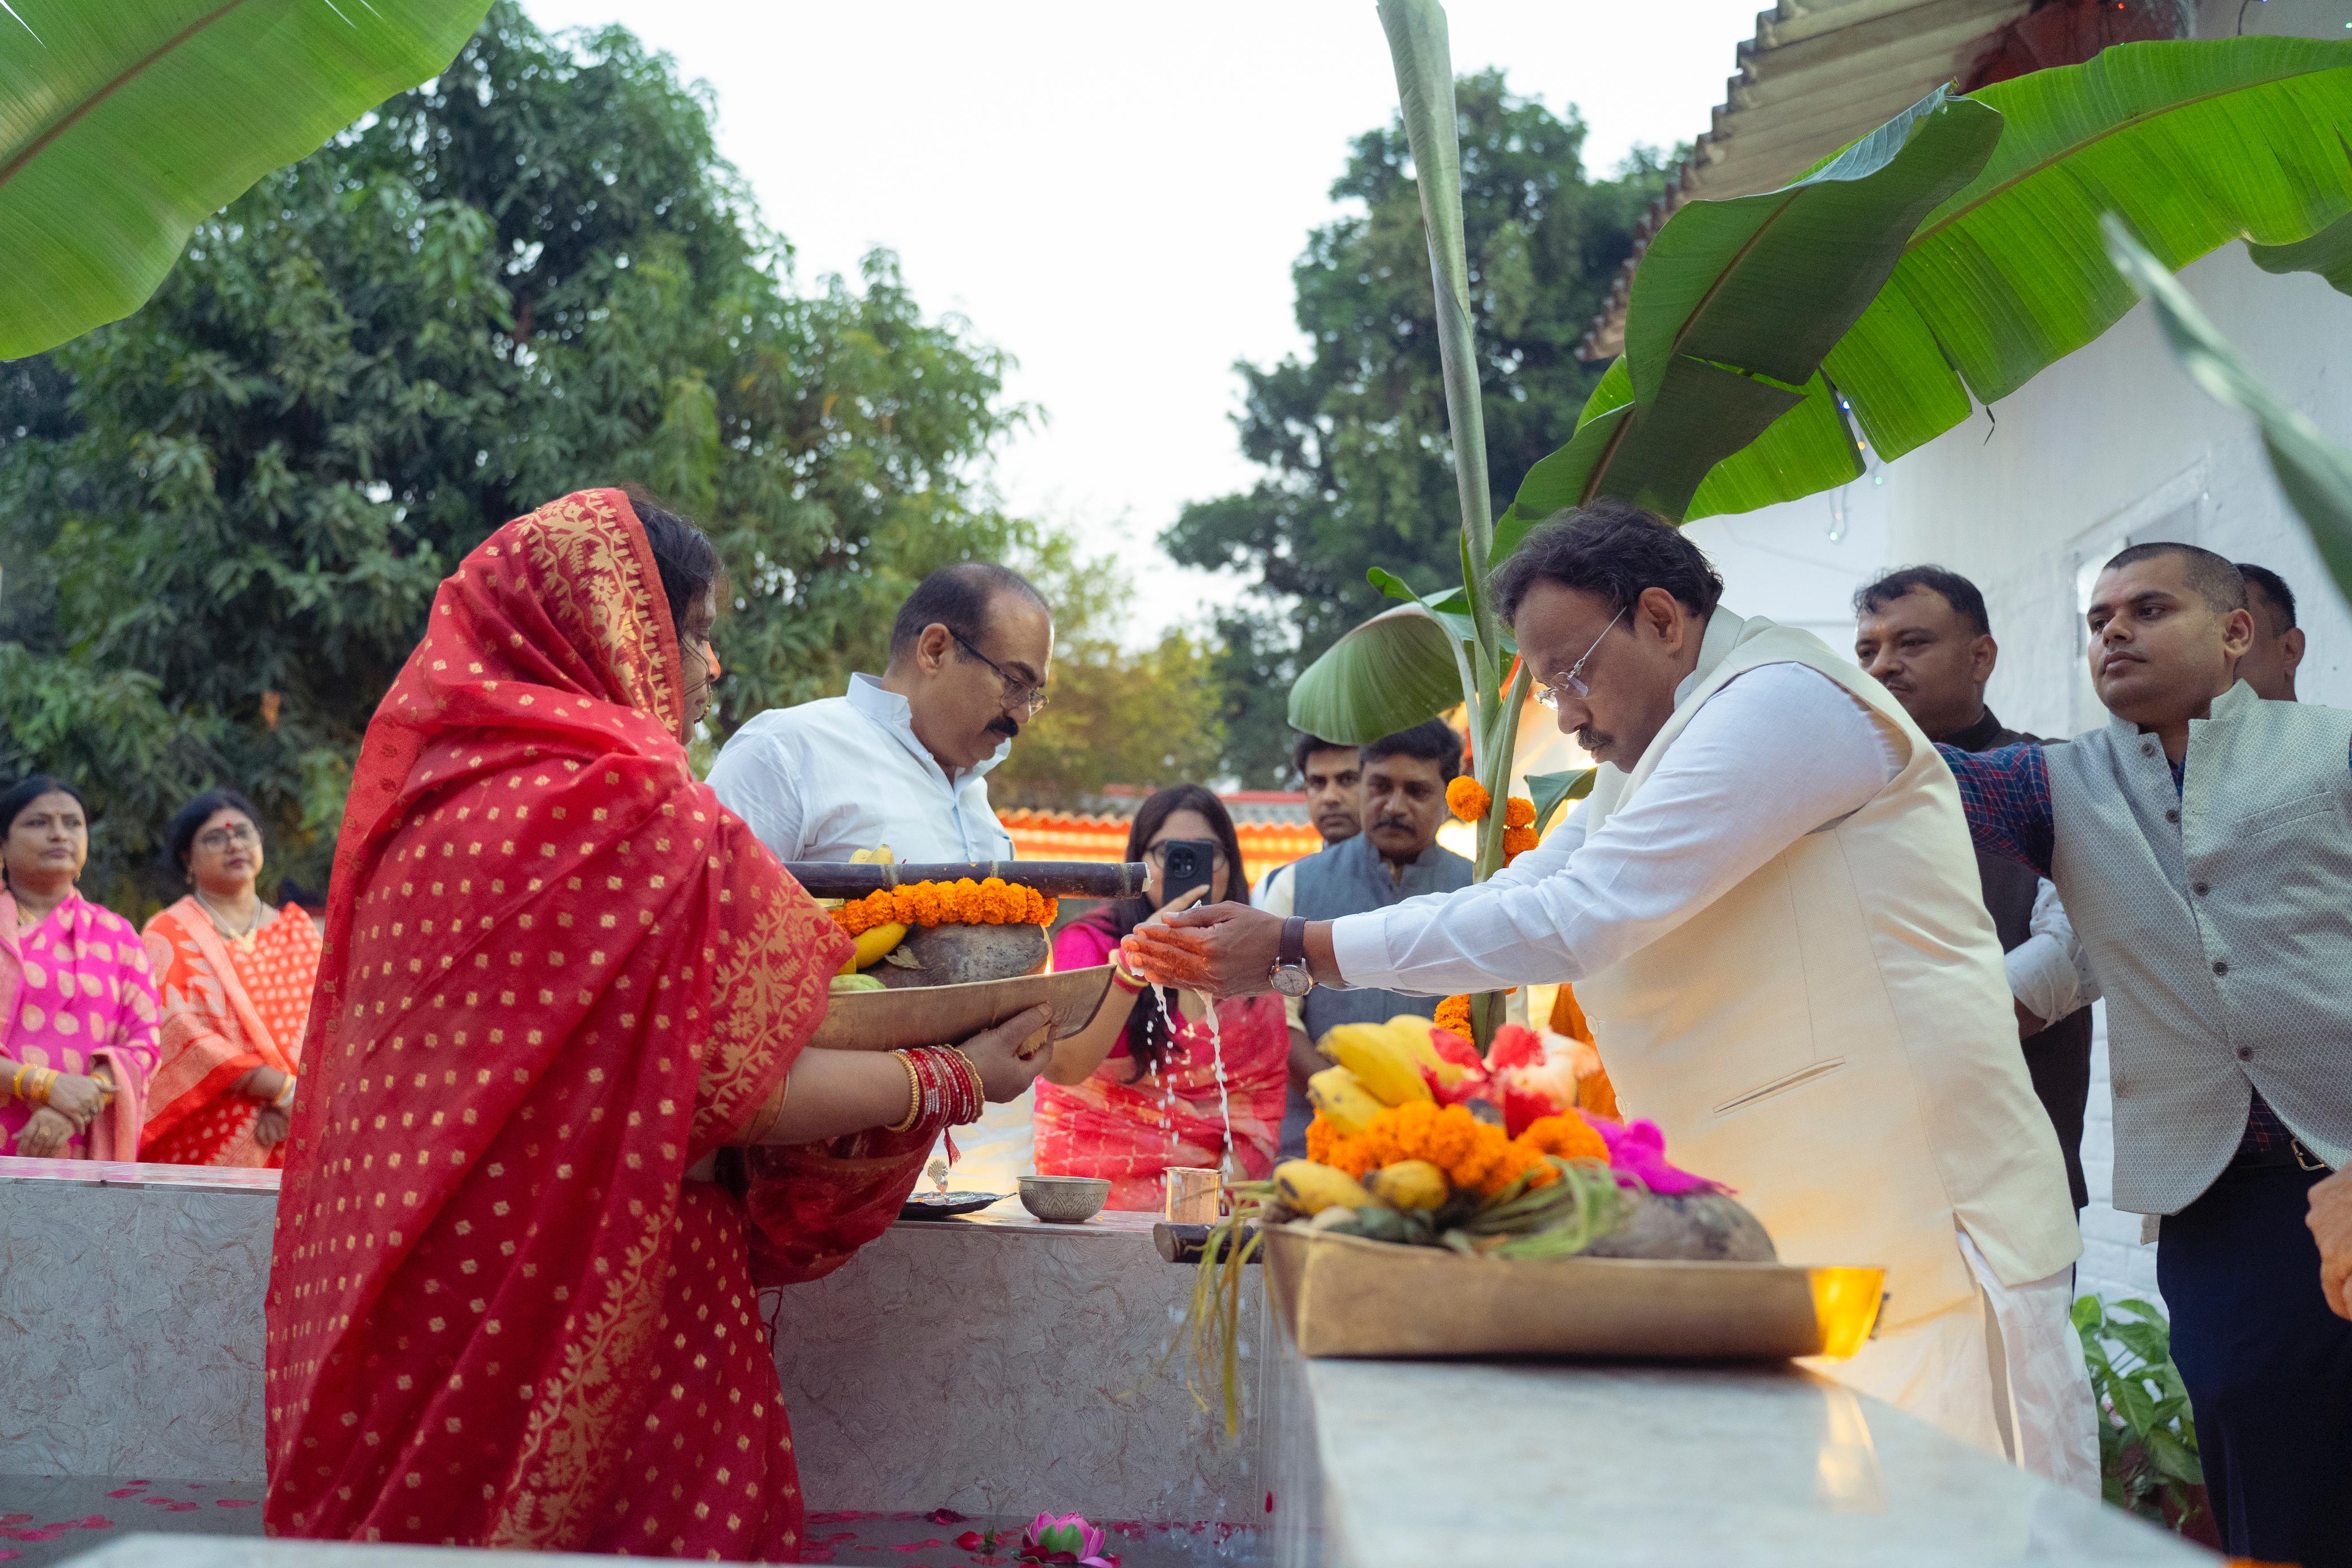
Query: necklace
222, 927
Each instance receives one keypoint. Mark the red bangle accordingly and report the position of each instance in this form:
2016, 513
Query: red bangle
1124, 980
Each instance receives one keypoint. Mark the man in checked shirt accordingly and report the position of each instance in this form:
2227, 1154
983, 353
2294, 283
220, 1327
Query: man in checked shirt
2203, 842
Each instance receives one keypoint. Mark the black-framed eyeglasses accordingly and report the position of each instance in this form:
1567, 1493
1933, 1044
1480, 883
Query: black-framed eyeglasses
1017, 692
1550, 696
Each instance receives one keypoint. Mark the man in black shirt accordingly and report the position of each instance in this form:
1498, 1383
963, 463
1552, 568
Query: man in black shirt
1922, 632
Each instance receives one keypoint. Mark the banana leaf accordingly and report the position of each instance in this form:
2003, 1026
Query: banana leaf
1734, 306
2327, 253
2196, 143
1402, 666
2313, 471
123, 124
1551, 791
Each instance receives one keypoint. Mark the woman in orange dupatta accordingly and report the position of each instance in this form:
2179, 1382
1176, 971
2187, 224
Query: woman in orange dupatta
1125, 1101
504, 1308
235, 978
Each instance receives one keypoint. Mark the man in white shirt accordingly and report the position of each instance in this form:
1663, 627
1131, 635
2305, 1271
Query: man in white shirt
904, 760
1770, 910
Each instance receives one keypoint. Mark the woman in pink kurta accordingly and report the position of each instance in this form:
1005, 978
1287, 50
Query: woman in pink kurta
1124, 1098
76, 1003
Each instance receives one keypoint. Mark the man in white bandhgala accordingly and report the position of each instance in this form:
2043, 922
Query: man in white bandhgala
1770, 910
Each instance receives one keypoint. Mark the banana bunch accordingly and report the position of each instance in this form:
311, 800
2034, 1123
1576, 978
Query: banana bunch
1382, 1058
1407, 1186
872, 945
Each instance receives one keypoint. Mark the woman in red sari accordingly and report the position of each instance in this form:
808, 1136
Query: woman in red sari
504, 1309
236, 979
1122, 1098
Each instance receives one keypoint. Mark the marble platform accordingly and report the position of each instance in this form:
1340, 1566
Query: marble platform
990, 1364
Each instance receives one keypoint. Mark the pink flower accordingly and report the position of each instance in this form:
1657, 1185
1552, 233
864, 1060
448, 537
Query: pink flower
1068, 1542
1638, 1150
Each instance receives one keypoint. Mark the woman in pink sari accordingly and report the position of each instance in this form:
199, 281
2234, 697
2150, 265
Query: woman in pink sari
235, 978
1124, 1100
77, 1005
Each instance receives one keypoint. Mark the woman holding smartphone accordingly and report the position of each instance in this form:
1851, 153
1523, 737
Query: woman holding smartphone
1127, 1098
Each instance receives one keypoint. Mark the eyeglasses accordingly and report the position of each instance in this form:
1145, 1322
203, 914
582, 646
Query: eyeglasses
1550, 696
1156, 857
241, 836
1018, 692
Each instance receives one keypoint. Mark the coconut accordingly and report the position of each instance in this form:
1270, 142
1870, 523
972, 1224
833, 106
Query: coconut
958, 955
1702, 1226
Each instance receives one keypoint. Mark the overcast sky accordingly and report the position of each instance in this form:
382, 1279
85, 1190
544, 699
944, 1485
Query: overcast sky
1114, 194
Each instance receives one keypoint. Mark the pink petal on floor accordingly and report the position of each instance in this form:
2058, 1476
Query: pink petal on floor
126, 1491
16, 1518
235, 1502
90, 1521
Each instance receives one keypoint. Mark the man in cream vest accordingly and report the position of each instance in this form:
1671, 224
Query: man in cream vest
1771, 909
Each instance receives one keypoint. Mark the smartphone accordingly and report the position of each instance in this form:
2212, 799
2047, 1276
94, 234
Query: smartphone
1185, 864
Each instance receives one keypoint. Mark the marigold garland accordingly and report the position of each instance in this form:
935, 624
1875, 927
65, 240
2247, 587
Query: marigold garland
1467, 799
994, 902
1518, 812
1475, 1156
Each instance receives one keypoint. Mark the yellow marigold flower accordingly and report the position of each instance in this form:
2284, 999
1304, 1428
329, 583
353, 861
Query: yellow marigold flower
1467, 799
1518, 812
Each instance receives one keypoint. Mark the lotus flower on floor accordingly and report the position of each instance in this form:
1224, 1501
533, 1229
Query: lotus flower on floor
1065, 1542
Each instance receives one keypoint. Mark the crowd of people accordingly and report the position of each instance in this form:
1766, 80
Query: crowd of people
177, 1045
1836, 929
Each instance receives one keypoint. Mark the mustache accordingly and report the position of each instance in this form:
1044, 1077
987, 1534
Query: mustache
1008, 727
1393, 819
1591, 738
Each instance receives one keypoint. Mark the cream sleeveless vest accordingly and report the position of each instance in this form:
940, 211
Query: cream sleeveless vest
1833, 1038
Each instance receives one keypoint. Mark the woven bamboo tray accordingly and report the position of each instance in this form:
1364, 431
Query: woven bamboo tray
1345, 1295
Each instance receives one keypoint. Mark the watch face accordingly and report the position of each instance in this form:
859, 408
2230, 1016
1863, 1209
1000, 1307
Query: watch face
1292, 979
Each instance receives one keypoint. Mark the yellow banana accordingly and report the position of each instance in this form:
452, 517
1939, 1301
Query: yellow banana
873, 943
856, 982
1409, 1183
1342, 1098
1311, 1189
878, 855
1379, 1059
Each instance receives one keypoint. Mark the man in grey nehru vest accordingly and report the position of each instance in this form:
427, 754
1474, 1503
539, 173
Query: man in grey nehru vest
1396, 857
2202, 841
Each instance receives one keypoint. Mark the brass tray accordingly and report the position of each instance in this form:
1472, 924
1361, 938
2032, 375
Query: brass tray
942, 1015
1344, 1295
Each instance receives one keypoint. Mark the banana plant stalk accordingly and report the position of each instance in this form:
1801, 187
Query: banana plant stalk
1491, 699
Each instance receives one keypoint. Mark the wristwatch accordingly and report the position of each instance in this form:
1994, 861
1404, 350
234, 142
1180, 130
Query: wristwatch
1289, 975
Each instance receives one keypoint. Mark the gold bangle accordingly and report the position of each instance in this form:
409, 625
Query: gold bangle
763, 1120
284, 1099
15, 1082
914, 1095
44, 1080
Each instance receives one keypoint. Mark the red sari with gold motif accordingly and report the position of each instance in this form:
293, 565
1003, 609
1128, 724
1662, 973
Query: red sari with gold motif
556, 974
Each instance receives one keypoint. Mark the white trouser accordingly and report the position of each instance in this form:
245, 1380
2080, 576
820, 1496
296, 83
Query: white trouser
2002, 1370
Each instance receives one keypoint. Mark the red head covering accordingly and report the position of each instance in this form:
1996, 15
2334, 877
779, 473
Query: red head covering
556, 974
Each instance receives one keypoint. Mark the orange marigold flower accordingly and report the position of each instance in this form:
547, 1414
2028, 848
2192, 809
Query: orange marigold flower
1454, 1014
1467, 799
1518, 842
1570, 1137
1518, 812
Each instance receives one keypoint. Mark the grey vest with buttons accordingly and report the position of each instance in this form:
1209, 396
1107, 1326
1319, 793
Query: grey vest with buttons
2219, 920
1350, 878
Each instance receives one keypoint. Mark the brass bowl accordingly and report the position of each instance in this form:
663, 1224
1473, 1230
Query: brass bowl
943, 1015
1063, 1200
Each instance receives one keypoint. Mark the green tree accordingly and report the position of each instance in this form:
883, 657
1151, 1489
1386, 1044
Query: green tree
222, 518
1353, 437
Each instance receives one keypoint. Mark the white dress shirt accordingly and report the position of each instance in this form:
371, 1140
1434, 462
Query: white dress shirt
1777, 753
822, 780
